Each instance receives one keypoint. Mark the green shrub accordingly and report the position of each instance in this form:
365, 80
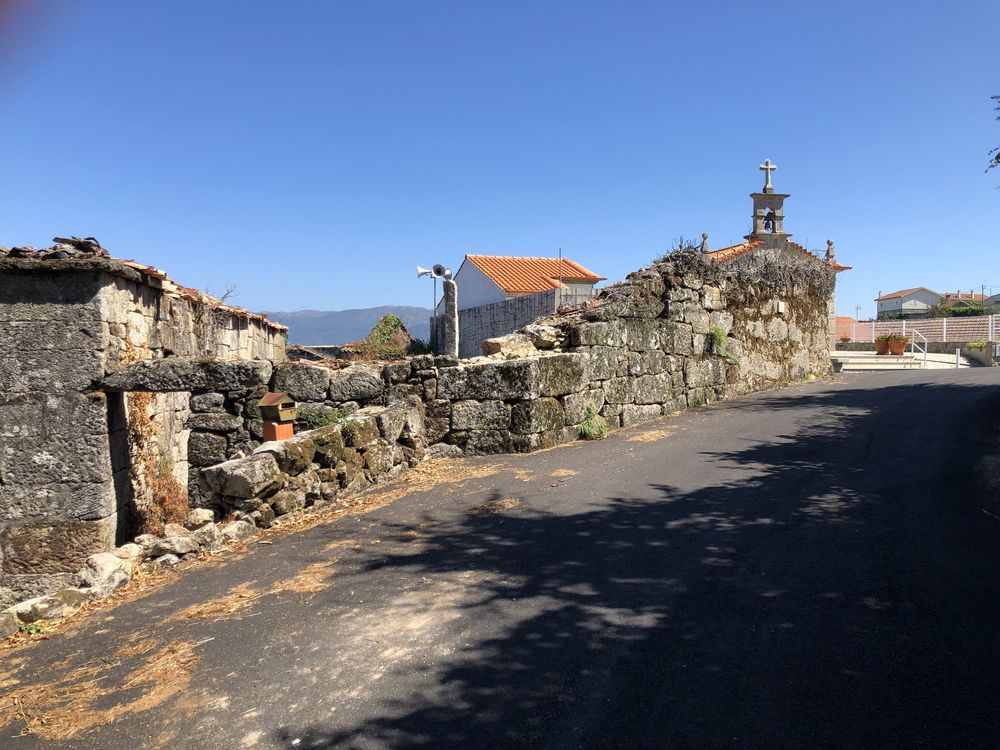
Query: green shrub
314, 418
976, 345
719, 345
594, 426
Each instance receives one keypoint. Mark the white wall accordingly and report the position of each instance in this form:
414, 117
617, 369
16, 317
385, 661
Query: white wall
475, 288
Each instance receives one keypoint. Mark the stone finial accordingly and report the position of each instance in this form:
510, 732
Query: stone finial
767, 167
830, 254
704, 242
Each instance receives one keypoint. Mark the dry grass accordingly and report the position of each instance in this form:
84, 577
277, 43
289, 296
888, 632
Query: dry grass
235, 603
493, 507
223, 607
311, 580
421, 478
649, 436
67, 706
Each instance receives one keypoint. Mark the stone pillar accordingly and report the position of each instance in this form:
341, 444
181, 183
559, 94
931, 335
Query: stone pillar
449, 329
831, 304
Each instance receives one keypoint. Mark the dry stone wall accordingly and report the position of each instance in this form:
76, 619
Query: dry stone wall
680, 334
79, 344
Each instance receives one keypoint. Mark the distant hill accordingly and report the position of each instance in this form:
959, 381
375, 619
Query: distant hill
344, 326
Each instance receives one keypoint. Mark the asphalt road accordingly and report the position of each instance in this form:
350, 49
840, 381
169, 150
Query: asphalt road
809, 568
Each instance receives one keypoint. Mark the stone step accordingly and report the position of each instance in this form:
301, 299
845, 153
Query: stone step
878, 366
869, 361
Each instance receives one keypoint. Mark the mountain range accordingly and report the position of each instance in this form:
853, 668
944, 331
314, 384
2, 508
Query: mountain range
344, 326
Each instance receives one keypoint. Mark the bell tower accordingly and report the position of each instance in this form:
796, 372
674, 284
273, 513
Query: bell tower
769, 212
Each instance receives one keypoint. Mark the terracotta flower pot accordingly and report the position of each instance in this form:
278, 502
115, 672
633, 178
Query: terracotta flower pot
881, 347
897, 347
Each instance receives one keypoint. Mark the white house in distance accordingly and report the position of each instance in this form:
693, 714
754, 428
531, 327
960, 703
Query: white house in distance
485, 279
907, 301
497, 294
919, 300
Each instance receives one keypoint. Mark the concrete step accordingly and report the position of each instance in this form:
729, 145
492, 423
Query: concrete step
856, 361
878, 366
867, 361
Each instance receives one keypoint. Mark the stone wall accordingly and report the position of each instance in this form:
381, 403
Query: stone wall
84, 434
370, 446
680, 334
69, 482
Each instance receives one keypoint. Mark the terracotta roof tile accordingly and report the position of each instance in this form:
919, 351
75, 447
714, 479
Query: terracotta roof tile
724, 254
733, 251
525, 275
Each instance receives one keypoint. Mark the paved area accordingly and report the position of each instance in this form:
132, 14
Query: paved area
809, 568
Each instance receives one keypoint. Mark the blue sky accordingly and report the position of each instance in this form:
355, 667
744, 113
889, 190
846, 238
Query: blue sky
313, 153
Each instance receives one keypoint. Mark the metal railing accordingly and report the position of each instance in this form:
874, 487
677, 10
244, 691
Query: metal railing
915, 347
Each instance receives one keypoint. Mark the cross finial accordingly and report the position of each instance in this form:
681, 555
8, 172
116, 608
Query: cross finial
767, 167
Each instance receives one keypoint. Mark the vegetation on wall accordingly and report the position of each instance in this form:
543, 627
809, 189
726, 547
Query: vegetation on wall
311, 418
389, 339
763, 269
594, 426
719, 345
159, 498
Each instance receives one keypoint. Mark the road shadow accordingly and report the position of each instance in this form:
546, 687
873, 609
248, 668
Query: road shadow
831, 593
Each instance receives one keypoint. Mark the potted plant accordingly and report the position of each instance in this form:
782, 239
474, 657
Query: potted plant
882, 344
897, 343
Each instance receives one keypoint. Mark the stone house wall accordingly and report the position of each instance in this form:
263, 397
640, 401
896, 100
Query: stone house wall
67, 458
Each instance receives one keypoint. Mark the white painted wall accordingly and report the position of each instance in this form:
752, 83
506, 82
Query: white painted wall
475, 288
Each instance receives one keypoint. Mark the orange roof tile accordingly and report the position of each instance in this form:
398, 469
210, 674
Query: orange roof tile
734, 251
524, 275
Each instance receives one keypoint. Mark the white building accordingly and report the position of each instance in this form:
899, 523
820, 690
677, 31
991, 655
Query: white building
921, 299
497, 294
485, 279
907, 302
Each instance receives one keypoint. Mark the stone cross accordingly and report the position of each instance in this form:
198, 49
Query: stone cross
767, 167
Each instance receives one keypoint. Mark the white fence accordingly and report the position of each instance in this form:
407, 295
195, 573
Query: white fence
981, 328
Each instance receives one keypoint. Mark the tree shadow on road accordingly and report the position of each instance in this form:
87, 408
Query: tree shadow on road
829, 593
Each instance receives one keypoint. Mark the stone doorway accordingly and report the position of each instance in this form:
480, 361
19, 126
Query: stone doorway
148, 445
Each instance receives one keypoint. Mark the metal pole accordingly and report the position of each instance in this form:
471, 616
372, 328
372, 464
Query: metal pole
560, 280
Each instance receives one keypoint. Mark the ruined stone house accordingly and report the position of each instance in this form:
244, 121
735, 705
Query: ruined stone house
75, 455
